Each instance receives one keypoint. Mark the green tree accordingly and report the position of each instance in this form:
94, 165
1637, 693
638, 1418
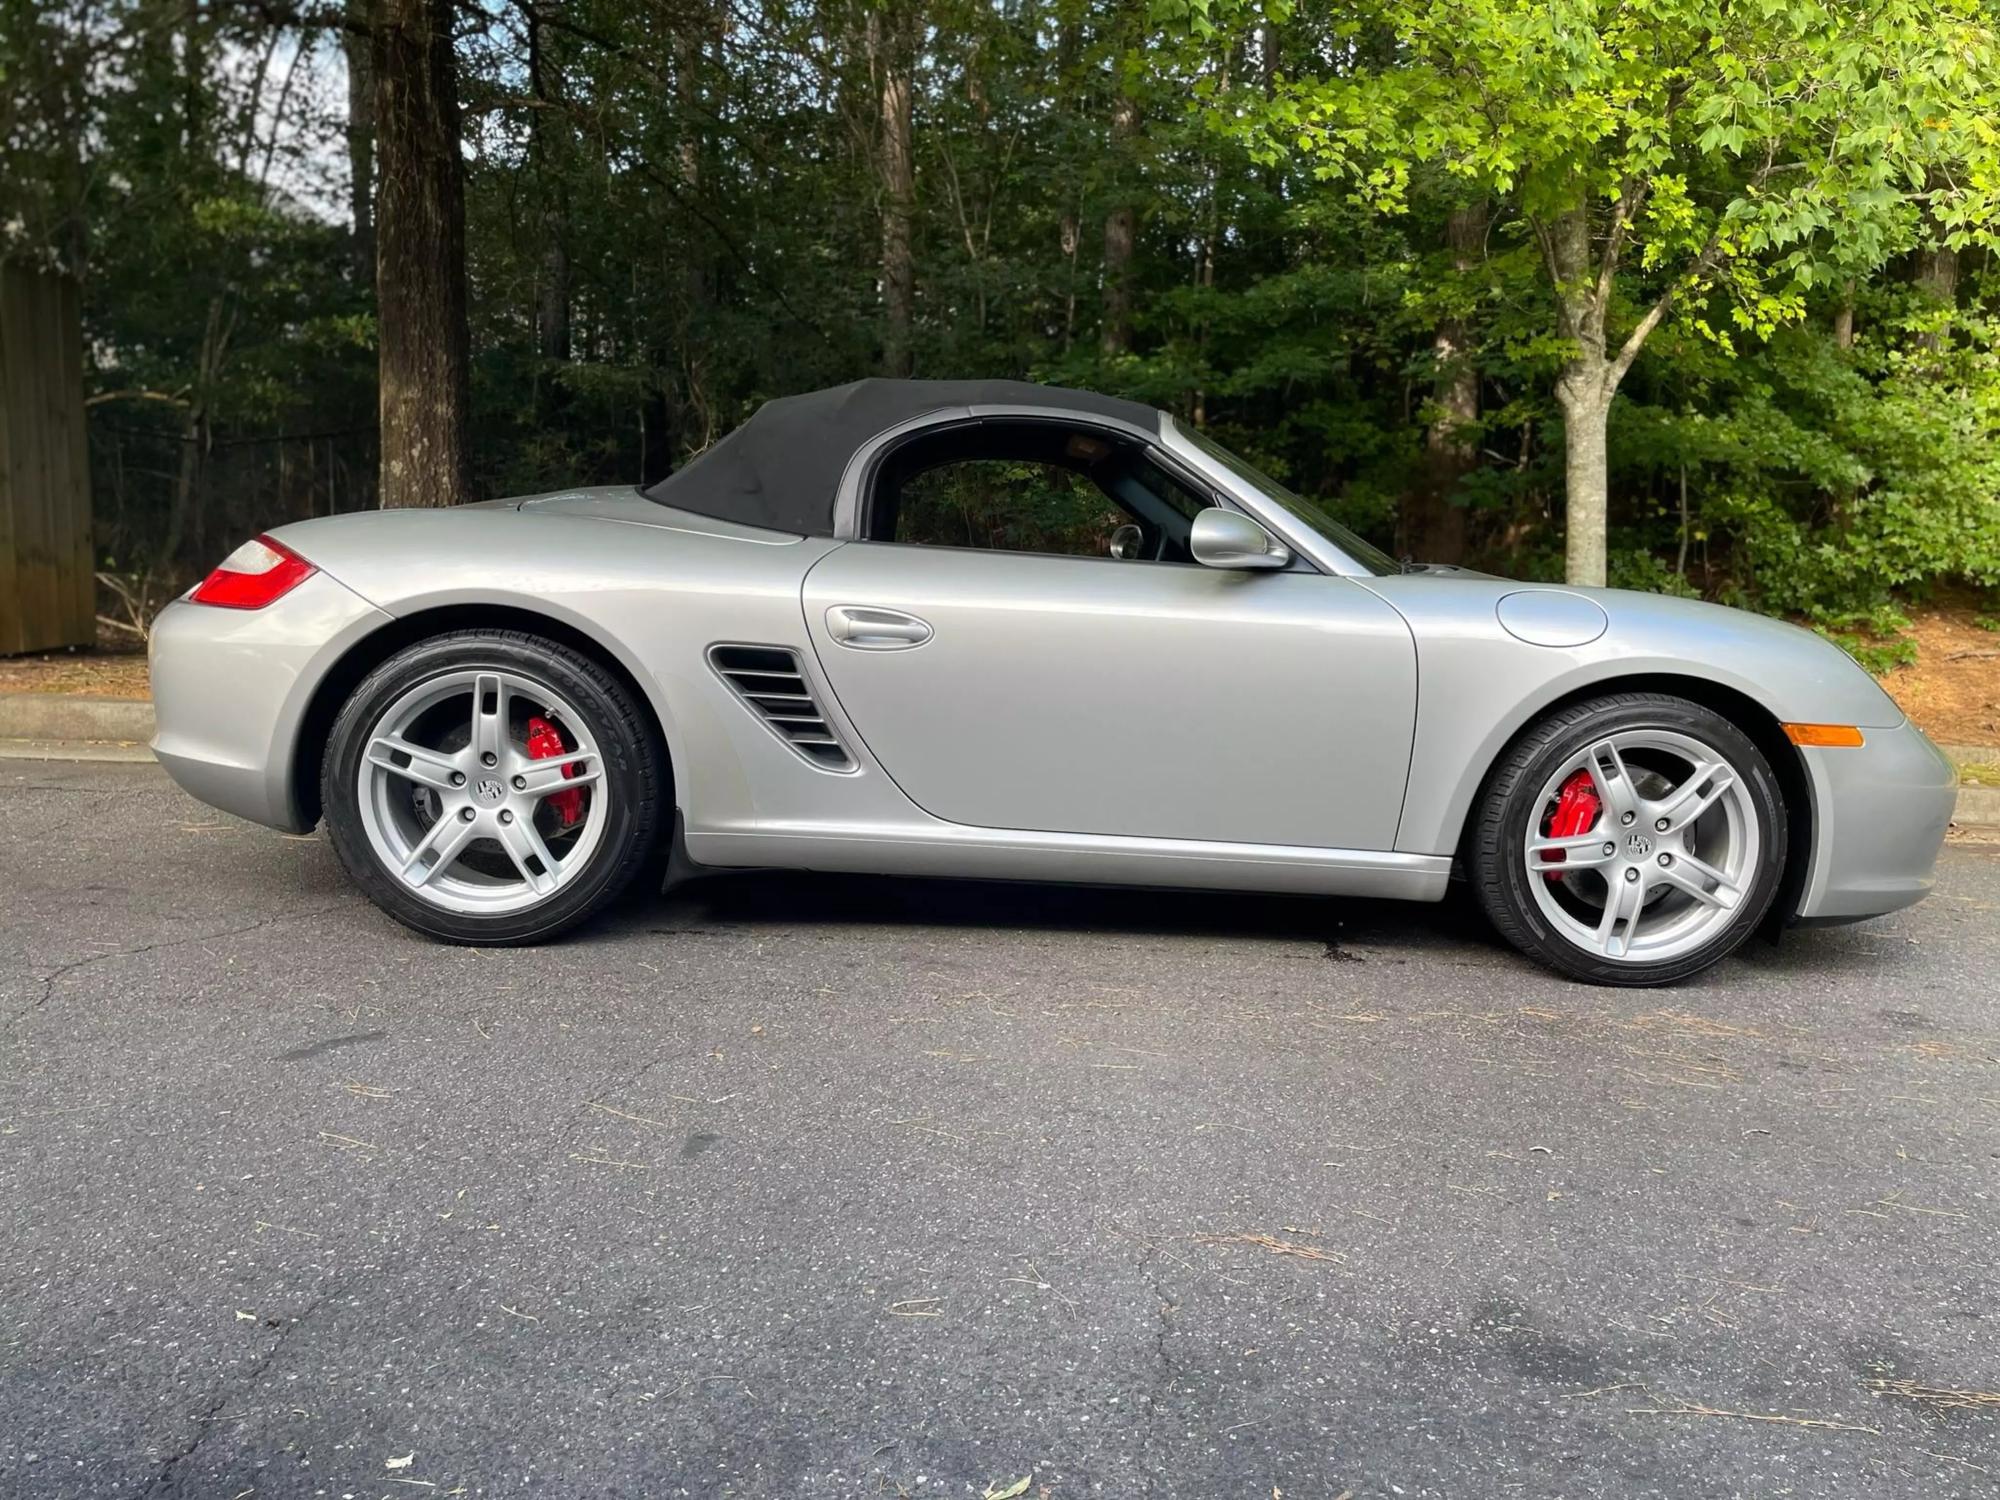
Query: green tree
1714, 157
676, 209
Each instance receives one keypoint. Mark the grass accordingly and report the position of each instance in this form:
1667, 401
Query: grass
1978, 773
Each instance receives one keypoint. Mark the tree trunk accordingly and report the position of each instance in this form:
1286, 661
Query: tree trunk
361, 138
1120, 231
184, 512
420, 265
552, 285
181, 511
1843, 317
197, 126
1936, 270
552, 310
1069, 230
889, 47
1937, 279
1584, 390
1433, 527
690, 69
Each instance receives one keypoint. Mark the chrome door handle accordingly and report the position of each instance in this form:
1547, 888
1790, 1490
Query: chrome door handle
869, 629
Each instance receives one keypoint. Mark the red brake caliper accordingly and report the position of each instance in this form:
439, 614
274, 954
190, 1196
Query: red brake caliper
1576, 812
545, 743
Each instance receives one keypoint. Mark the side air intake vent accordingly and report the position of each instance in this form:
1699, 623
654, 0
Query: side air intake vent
769, 680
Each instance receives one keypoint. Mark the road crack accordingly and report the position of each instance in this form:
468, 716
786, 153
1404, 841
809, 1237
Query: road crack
51, 980
204, 1423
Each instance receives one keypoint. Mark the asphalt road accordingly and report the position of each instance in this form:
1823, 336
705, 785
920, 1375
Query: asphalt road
792, 1186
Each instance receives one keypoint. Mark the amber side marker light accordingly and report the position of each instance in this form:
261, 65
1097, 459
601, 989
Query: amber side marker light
1826, 736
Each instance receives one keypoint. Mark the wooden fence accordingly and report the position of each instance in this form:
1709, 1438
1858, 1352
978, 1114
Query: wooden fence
47, 574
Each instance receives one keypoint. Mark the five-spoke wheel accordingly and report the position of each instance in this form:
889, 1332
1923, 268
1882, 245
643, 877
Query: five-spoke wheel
1633, 839
458, 804
491, 786
1662, 864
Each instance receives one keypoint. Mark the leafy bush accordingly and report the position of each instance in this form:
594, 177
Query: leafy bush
1826, 483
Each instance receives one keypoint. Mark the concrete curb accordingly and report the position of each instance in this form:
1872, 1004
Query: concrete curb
100, 750
54, 717
54, 726
1977, 807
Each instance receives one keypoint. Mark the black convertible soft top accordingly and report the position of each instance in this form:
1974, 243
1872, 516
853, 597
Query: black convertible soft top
781, 469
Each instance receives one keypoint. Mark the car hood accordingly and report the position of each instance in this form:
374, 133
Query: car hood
1485, 625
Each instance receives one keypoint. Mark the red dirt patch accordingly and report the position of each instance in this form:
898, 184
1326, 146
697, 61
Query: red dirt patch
1952, 690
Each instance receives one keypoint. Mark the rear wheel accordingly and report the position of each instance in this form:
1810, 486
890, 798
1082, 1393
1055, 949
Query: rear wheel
1634, 839
492, 787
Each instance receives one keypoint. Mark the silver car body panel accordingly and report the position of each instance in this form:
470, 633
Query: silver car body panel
1088, 695
230, 689
928, 846
1882, 811
1482, 685
1060, 718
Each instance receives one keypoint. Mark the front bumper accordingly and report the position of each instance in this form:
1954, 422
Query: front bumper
231, 688
1880, 814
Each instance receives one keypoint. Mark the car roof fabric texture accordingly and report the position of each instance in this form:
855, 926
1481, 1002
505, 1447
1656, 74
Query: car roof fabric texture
781, 469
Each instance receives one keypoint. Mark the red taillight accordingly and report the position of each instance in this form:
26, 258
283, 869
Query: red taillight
254, 575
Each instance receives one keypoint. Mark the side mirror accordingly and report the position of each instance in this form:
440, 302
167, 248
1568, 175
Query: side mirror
1229, 539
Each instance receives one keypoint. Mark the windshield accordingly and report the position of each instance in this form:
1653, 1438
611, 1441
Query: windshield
1310, 512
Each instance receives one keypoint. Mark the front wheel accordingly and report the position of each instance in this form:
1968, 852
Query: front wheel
1634, 839
491, 786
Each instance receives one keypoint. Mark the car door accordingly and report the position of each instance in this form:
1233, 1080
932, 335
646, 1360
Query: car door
1090, 695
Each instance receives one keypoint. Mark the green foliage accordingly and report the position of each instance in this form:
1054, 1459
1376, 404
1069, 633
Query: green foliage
1006, 504
697, 189
1649, 573
1823, 483
1791, 134
1729, 158
1877, 655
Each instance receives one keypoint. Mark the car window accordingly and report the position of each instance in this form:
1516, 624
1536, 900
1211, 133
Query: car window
1184, 501
1007, 505
1311, 512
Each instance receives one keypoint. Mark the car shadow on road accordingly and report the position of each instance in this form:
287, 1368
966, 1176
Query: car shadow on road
1451, 931
790, 898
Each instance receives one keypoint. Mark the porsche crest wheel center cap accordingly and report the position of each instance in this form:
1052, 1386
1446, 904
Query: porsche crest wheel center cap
491, 792
1639, 845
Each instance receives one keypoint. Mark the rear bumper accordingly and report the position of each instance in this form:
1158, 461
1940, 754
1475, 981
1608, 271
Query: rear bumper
231, 688
1880, 817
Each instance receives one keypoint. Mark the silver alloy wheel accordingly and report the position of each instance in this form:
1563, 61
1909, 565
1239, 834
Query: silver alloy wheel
1670, 858
431, 805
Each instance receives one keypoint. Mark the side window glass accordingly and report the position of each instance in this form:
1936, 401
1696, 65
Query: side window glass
1183, 501
1008, 505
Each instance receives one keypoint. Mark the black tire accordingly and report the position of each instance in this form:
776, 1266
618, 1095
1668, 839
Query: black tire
1496, 843
634, 772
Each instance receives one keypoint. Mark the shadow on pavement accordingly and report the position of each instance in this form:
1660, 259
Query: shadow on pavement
790, 897
1453, 926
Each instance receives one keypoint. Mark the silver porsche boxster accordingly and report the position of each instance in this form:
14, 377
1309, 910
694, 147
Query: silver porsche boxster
990, 629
